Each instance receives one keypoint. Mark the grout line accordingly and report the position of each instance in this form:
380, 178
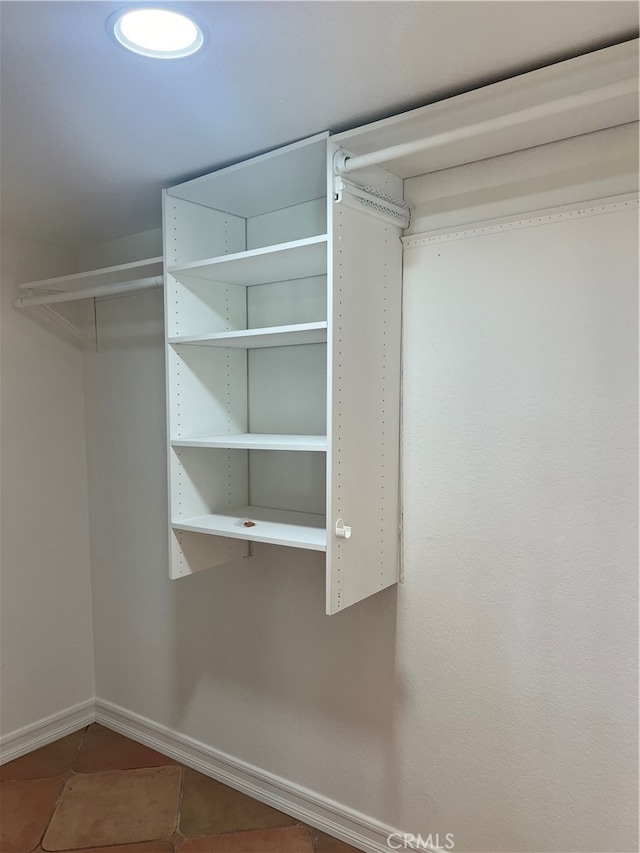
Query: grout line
177, 837
65, 778
55, 807
180, 800
80, 745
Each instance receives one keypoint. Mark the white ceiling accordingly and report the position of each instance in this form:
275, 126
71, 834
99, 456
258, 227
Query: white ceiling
91, 133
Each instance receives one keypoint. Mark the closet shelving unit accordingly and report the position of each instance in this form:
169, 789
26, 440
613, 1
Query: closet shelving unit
282, 300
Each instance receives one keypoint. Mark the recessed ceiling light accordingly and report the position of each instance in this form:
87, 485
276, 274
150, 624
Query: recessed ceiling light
159, 33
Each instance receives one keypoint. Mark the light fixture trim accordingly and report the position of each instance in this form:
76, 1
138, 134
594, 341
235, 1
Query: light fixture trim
158, 32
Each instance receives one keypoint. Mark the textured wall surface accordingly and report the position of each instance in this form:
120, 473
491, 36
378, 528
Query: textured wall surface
520, 514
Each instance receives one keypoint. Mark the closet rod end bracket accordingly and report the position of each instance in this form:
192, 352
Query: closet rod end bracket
340, 160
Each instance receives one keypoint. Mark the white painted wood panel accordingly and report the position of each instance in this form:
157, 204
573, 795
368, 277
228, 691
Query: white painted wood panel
302, 300
198, 307
289, 223
278, 336
276, 527
208, 391
364, 419
207, 480
287, 389
258, 441
293, 259
290, 481
192, 232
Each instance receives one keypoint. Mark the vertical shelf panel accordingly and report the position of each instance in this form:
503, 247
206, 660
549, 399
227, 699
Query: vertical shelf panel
289, 481
287, 389
208, 391
299, 300
289, 223
364, 420
193, 232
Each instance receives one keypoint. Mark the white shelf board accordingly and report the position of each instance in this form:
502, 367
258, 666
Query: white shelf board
283, 262
119, 274
273, 526
273, 336
257, 441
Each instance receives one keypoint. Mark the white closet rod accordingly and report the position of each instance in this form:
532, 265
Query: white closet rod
89, 292
345, 164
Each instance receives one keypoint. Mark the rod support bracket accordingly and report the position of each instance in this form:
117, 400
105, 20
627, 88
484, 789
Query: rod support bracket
340, 159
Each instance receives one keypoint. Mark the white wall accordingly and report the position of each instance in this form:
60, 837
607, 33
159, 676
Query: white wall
490, 696
521, 530
47, 640
135, 247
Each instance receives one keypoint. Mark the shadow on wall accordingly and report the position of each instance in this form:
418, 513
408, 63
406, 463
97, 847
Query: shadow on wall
254, 647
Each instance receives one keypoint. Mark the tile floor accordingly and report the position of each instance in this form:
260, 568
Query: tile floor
97, 792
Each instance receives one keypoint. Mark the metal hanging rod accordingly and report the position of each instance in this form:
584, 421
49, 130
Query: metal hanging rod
90, 292
344, 163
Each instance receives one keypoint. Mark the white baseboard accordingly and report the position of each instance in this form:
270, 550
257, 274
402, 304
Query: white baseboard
307, 806
311, 808
38, 734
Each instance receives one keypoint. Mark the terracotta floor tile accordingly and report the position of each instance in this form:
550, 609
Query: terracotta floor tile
103, 749
51, 760
26, 808
100, 809
290, 839
210, 808
329, 844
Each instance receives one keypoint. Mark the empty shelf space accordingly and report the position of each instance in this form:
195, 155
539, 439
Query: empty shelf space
286, 261
273, 336
265, 183
120, 274
273, 526
257, 441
